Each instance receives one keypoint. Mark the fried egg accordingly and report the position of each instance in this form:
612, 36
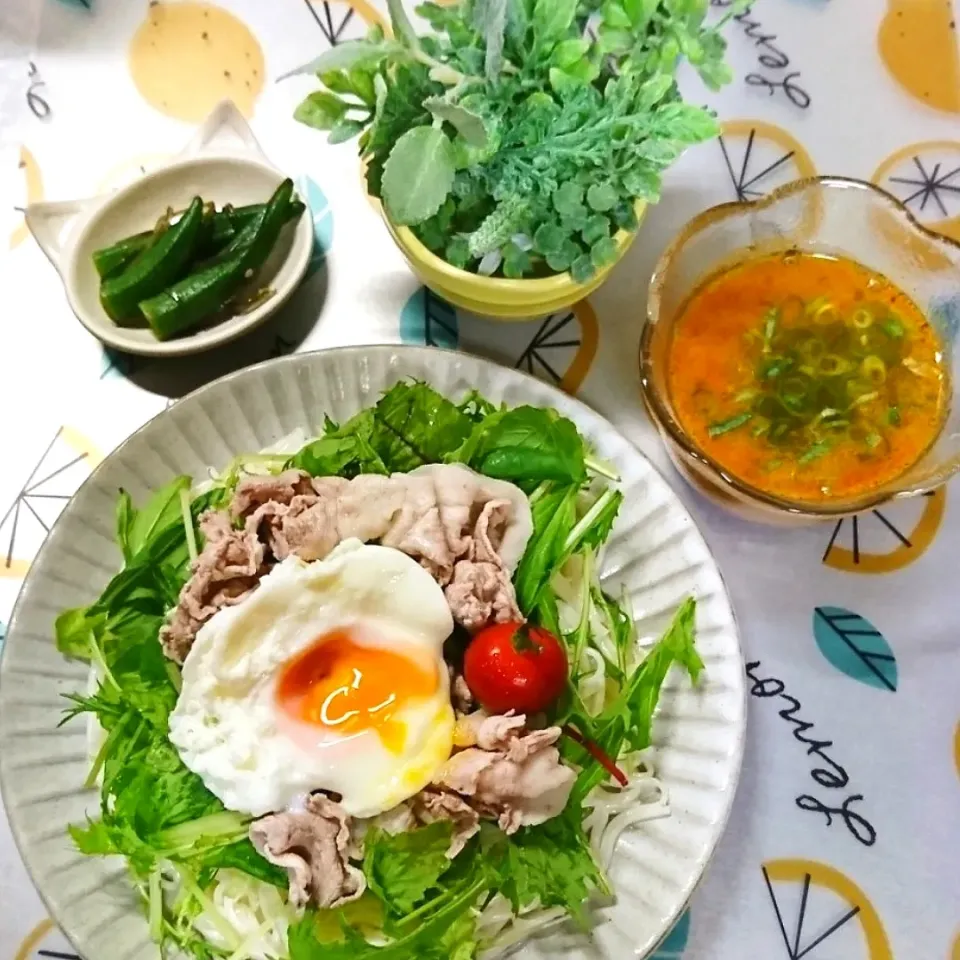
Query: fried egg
330, 676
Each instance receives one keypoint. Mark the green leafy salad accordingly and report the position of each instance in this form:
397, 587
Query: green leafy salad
519, 136
207, 891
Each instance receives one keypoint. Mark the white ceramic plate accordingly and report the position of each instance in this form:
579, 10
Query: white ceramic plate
655, 551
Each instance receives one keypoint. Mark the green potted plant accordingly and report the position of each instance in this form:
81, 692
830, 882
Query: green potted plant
515, 147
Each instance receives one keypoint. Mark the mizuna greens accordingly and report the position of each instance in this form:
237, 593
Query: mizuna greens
188, 855
517, 137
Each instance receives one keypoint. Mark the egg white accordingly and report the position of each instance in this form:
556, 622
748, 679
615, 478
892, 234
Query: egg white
228, 727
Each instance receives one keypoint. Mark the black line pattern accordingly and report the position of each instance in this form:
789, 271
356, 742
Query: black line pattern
57, 955
744, 187
22, 505
532, 359
794, 951
855, 525
931, 185
325, 21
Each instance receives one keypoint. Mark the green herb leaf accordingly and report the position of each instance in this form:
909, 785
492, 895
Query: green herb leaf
602, 197
552, 19
468, 124
627, 721
320, 110
346, 129
73, 629
402, 869
418, 175
525, 445
551, 863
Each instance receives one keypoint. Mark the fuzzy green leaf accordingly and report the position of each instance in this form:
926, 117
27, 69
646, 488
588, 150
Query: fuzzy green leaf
418, 175
402, 27
596, 227
601, 197
345, 129
615, 16
569, 52
603, 252
582, 269
516, 262
553, 18
548, 239
564, 257
468, 124
320, 110
344, 56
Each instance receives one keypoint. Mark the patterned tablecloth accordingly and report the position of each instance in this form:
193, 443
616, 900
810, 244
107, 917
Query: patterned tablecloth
845, 838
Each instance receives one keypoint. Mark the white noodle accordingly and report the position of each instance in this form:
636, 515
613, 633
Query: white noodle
257, 912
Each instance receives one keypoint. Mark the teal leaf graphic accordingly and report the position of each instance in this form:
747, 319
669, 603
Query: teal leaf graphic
855, 647
3, 633
316, 200
429, 319
84, 4
676, 941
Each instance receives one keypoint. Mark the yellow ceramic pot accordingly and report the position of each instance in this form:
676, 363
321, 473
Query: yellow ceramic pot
497, 297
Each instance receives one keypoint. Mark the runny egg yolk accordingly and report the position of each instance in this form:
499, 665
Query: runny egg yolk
347, 688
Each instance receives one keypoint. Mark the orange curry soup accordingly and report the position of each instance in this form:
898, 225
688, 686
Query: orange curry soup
809, 377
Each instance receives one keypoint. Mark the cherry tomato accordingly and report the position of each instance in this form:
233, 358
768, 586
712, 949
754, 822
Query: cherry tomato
513, 666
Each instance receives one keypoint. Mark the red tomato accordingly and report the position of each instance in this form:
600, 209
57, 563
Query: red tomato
513, 666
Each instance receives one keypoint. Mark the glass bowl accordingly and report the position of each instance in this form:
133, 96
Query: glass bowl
827, 215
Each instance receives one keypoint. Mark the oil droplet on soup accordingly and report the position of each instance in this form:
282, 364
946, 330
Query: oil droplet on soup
808, 377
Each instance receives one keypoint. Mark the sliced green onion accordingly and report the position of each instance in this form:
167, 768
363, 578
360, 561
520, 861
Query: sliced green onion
770, 320
732, 423
892, 327
862, 319
874, 369
893, 417
873, 440
817, 450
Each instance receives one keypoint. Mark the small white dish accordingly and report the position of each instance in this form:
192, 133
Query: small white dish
223, 163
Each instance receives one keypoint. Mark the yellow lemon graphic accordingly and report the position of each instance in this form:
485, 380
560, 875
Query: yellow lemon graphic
920, 46
955, 954
888, 538
186, 57
127, 171
956, 748
33, 190
925, 177
44, 941
812, 874
758, 157
64, 465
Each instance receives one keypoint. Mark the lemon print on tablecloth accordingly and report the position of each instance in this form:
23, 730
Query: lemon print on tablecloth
829, 916
43, 942
64, 464
919, 44
888, 538
31, 190
559, 348
341, 20
186, 57
956, 748
758, 157
925, 177
854, 646
675, 942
